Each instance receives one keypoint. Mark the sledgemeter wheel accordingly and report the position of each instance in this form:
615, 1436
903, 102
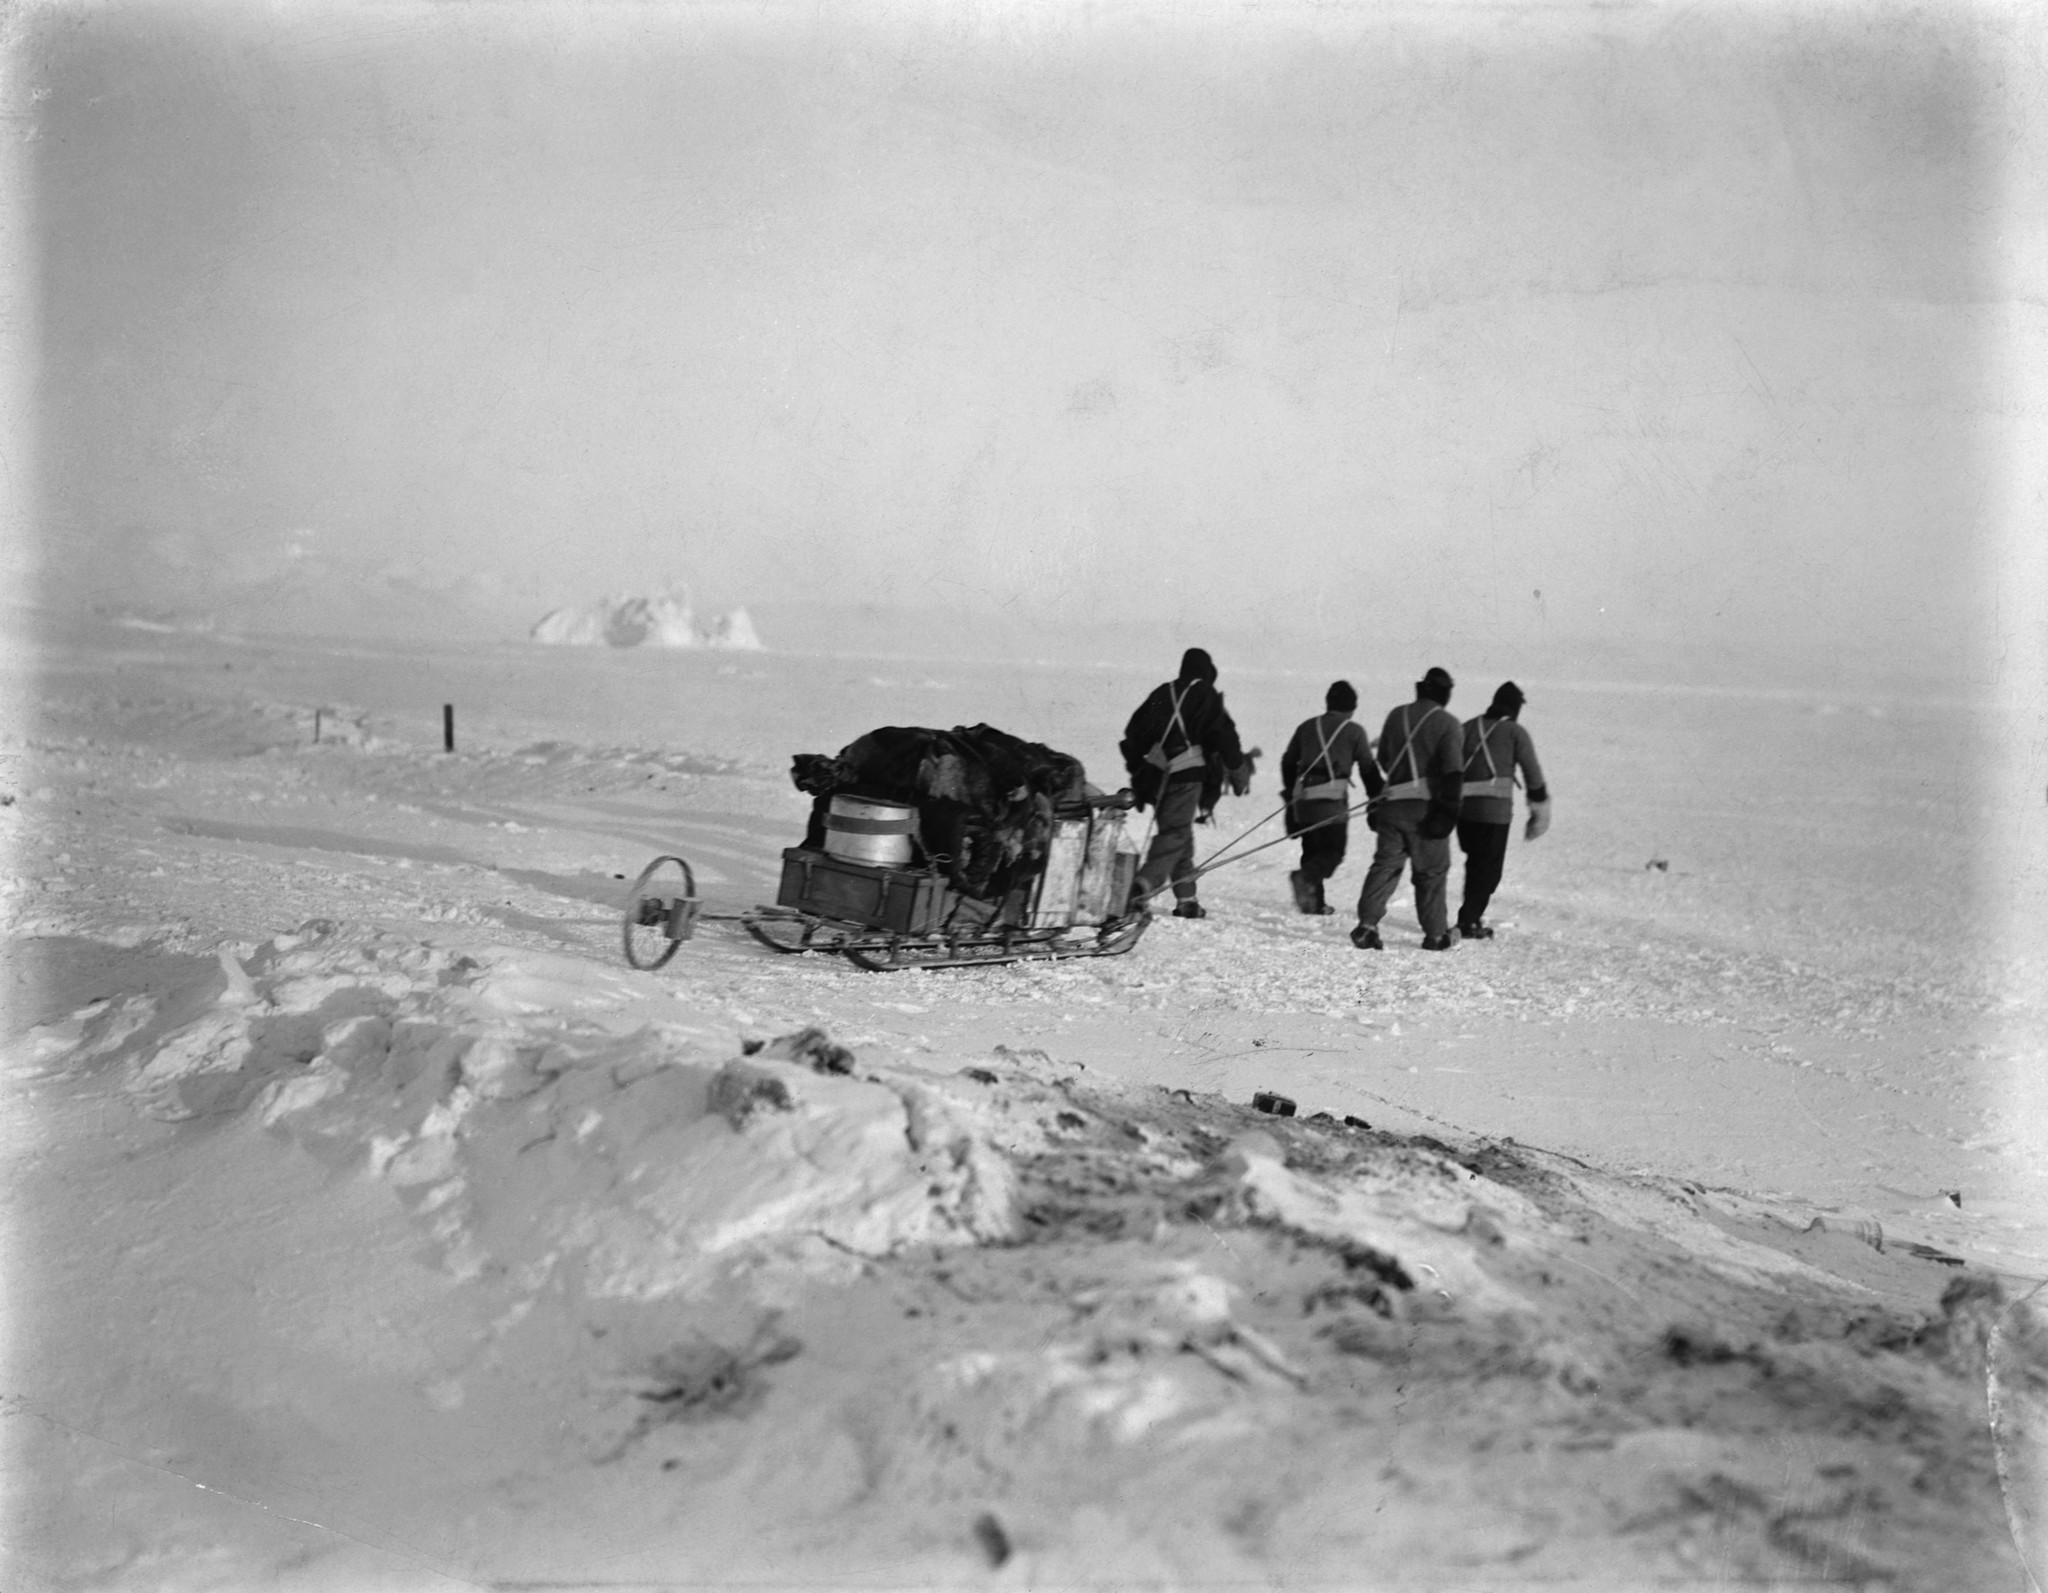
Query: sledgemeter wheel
661, 912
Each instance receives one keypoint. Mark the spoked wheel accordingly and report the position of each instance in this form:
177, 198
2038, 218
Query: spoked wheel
661, 912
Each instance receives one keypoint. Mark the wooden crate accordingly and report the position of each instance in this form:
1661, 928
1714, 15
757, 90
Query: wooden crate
1106, 876
900, 900
1052, 904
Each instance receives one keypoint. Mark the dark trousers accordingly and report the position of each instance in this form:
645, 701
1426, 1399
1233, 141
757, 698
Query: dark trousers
1322, 850
1172, 856
1486, 853
1403, 845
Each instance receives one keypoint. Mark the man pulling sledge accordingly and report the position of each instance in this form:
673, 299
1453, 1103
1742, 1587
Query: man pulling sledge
1497, 749
1180, 748
1422, 751
1315, 778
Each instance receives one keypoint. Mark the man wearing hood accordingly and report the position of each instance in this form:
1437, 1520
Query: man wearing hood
1179, 735
1496, 746
1422, 752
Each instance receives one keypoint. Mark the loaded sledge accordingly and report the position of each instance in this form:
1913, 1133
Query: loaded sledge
929, 849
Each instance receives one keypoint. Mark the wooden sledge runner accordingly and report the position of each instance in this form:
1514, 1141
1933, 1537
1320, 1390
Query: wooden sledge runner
790, 930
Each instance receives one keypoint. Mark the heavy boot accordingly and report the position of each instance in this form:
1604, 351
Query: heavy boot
1305, 891
1321, 908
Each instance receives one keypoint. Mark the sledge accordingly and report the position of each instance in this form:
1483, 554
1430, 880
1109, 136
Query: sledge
880, 883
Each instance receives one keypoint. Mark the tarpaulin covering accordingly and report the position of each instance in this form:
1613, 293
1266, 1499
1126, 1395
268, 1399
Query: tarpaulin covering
985, 799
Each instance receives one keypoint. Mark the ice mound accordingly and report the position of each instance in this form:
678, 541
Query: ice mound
536, 1141
734, 631
540, 1140
665, 620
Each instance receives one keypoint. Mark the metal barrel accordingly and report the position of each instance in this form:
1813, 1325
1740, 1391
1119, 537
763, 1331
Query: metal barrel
865, 831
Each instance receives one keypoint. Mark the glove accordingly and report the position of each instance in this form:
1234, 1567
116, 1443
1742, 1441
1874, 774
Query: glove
1539, 820
1374, 808
1438, 822
1241, 779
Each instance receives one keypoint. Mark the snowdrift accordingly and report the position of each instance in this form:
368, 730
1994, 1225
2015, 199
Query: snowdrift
667, 620
537, 1142
709, 1310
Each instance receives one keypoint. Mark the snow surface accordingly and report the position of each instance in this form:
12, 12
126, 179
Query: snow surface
374, 1225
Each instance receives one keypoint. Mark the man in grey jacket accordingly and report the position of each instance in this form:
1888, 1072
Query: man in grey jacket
1421, 750
1496, 748
1315, 779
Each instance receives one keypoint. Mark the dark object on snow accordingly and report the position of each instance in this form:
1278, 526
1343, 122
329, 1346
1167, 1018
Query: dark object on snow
740, 1091
1929, 1253
985, 800
1357, 1122
813, 1047
700, 1379
1278, 1105
994, 1541
1660, 864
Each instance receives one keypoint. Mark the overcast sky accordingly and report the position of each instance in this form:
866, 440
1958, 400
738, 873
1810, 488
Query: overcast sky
1640, 321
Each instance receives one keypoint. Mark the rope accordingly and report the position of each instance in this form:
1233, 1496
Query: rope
1211, 862
1282, 840
1241, 834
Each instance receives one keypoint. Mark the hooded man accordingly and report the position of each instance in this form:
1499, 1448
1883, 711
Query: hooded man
1422, 753
1178, 735
1315, 778
1496, 746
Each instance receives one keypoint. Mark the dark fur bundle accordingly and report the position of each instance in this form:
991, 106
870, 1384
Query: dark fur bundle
985, 799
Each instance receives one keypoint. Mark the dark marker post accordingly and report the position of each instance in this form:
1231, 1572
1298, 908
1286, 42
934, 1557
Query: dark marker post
447, 727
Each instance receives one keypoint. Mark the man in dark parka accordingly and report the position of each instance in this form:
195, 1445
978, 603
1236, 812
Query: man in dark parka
1179, 734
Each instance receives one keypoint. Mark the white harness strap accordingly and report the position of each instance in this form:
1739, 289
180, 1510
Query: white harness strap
1495, 784
1190, 756
1415, 788
1330, 790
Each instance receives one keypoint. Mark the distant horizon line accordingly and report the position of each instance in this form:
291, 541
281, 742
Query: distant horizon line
1954, 689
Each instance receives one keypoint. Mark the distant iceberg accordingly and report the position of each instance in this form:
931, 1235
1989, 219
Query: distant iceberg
735, 632
665, 621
